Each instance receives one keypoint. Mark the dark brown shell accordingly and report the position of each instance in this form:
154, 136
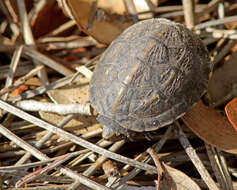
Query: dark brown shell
149, 76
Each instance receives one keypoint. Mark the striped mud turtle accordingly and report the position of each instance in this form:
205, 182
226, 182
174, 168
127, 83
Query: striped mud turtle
149, 77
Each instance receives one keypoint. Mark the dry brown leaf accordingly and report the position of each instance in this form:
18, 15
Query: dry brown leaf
179, 180
212, 127
48, 18
110, 18
223, 79
34, 81
231, 112
117, 6
106, 26
77, 93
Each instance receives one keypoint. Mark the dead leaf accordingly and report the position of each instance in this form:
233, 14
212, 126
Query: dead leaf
179, 180
231, 112
48, 18
117, 6
107, 24
212, 127
34, 81
223, 79
77, 93
110, 19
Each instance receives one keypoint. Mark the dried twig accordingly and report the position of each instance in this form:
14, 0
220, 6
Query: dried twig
131, 9
100, 160
49, 150
218, 33
61, 28
36, 55
26, 31
41, 156
224, 50
28, 36
12, 69
21, 80
57, 43
87, 161
189, 8
221, 174
225, 170
38, 5
147, 159
34, 175
151, 6
160, 170
44, 139
22, 69
42, 89
63, 109
216, 22
221, 10
8, 11
173, 8
81, 158
84, 71
211, 6
75, 139
39, 163
195, 159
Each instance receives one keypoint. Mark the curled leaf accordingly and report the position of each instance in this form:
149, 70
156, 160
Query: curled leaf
212, 127
231, 112
179, 180
104, 23
222, 84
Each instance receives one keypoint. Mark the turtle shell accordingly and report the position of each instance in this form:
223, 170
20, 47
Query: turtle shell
149, 76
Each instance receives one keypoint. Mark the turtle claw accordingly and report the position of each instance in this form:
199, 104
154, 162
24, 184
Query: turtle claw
111, 128
108, 132
148, 136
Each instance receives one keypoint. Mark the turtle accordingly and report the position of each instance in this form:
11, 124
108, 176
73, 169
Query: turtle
149, 76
